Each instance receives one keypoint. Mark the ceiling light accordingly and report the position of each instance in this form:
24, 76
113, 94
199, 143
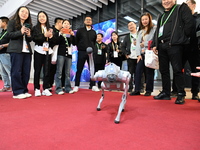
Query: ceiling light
33, 13
130, 19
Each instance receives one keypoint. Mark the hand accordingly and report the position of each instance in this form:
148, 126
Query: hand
71, 32
134, 42
117, 50
139, 58
23, 29
49, 33
1, 47
197, 74
127, 56
28, 32
155, 50
141, 45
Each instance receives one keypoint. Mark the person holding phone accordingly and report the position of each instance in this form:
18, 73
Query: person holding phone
44, 42
64, 58
20, 51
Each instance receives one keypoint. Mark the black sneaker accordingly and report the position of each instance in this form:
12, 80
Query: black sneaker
134, 93
162, 96
195, 97
180, 100
147, 94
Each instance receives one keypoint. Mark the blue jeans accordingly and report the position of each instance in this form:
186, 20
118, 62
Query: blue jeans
63, 61
5, 68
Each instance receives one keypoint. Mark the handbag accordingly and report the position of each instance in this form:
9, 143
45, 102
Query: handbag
151, 59
54, 54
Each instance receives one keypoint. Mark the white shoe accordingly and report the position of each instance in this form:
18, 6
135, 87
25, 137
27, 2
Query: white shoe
28, 95
46, 92
61, 93
71, 92
75, 89
20, 96
95, 88
37, 92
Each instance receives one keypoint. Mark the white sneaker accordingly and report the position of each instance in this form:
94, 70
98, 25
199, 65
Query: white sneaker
20, 96
71, 92
37, 92
28, 95
61, 93
46, 92
95, 88
75, 89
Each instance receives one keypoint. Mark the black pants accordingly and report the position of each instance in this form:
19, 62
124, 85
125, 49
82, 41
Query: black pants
82, 57
191, 55
97, 68
171, 54
39, 61
149, 76
132, 63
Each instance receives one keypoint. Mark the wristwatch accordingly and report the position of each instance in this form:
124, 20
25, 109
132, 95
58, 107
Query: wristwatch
2, 46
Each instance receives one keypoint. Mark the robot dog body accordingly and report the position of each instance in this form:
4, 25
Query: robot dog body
112, 79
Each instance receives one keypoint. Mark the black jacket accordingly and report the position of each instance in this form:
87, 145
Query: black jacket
100, 59
62, 48
125, 47
182, 26
39, 38
16, 39
85, 39
4, 40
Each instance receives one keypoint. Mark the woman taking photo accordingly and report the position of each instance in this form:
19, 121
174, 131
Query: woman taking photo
64, 58
19, 32
145, 34
43, 38
114, 50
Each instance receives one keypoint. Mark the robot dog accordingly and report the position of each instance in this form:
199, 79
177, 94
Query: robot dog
112, 79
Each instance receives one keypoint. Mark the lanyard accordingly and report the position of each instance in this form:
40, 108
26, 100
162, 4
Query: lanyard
114, 49
3, 35
66, 41
161, 23
98, 46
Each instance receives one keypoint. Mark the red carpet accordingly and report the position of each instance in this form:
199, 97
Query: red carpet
71, 122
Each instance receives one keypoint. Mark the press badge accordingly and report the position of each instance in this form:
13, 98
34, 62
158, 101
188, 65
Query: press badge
161, 31
115, 54
99, 52
69, 50
45, 46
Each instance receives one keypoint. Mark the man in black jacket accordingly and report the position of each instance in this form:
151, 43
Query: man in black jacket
173, 32
85, 37
191, 54
128, 48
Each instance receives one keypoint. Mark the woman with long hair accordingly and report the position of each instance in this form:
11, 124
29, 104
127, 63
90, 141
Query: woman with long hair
19, 32
64, 58
145, 34
44, 42
115, 54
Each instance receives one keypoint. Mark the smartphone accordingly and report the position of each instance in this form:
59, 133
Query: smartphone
27, 25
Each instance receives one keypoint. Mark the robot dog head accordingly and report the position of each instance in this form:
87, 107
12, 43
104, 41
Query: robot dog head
112, 71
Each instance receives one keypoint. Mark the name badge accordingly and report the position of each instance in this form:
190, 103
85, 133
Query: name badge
69, 50
115, 53
99, 52
45, 46
161, 31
